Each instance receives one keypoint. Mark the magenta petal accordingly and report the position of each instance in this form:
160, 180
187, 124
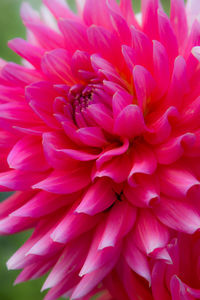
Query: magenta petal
75, 35
161, 67
29, 52
98, 197
144, 162
96, 13
120, 220
42, 204
92, 136
120, 100
149, 233
172, 150
13, 202
130, 122
179, 20
20, 180
97, 258
176, 181
65, 182
72, 258
89, 281
59, 9
46, 37
179, 215
136, 260
26, 155
144, 85
158, 278
167, 36
19, 75
11, 225
150, 17
72, 226
56, 64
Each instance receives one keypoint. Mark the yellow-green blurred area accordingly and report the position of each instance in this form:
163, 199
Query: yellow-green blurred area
10, 27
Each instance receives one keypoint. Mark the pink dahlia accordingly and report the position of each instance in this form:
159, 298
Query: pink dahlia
100, 137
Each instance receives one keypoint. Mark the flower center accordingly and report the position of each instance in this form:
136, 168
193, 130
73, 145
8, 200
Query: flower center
80, 97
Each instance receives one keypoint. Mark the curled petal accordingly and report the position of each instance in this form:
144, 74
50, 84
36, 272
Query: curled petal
150, 234
98, 198
179, 215
130, 122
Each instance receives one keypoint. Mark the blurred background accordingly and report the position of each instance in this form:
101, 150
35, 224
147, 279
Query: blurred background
11, 26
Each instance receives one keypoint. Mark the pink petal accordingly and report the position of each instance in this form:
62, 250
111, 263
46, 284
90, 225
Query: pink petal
34, 271
161, 67
92, 136
144, 162
56, 64
136, 260
100, 38
75, 35
179, 85
101, 115
176, 181
12, 225
143, 48
127, 12
96, 13
117, 168
158, 278
73, 225
149, 233
172, 150
70, 261
59, 9
27, 155
119, 23
13, 202
120, 221
130, 122
89, 281
120, 100
98, 198
179, 215
161, 127
193, 10
20, 180
178, 20
46, 37
42, 204
29, 52
150, 17
167, 36
144, 86
146, 193
19, 75
97, 258
113, 151
65, 182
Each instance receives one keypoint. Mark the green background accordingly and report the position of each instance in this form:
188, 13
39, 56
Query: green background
10, 27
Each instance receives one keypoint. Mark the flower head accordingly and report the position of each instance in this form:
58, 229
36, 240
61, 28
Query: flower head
100, 137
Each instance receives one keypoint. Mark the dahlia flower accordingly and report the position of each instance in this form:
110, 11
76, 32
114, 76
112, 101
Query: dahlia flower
100, 139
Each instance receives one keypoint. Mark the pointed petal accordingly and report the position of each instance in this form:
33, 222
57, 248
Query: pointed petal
120, 221
179, 215
98, 198
130, 122
65, 182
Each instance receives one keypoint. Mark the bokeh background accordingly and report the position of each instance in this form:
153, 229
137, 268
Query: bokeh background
10, 27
